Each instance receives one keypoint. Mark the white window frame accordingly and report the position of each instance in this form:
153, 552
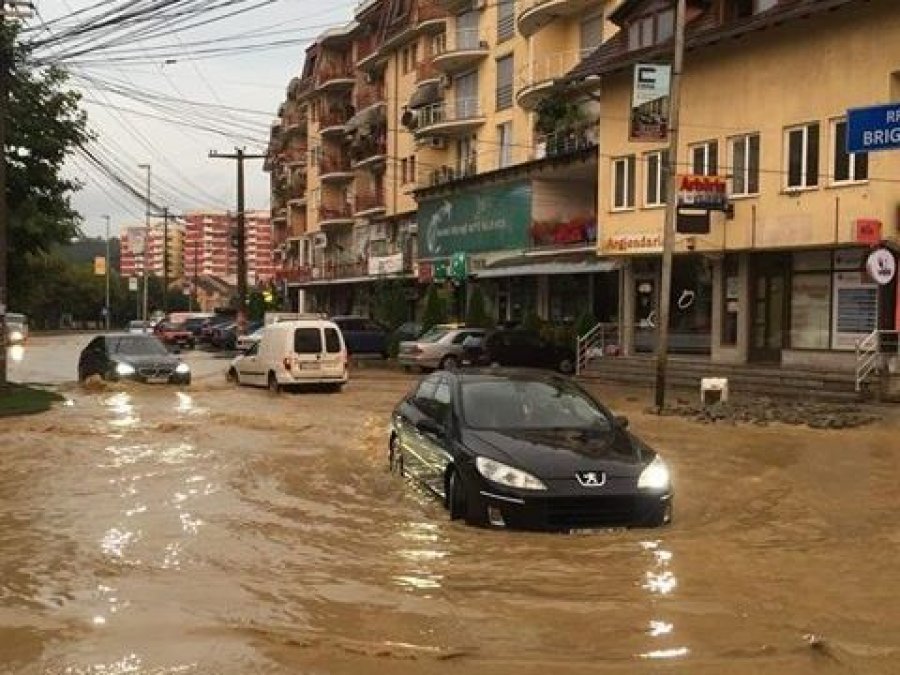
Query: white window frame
805, 148
705, 147
732, 140
628, 189
832, 157
660, 181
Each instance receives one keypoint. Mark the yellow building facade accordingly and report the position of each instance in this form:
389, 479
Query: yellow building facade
765, 92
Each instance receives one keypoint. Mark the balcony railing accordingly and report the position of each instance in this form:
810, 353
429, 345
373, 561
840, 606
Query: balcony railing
344, 212
564, 142
335, 117
430, 11
368, 146
463, 40
295, 154
426, 71
461, 109
368, 200
334, 71
337, 163
368, 95
447, 174
341, 270
549, 67
366, 47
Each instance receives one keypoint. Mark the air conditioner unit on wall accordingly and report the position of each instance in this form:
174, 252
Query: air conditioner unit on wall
320, 240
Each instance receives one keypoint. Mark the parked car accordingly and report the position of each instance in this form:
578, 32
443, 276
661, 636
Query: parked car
407, 332
363, 336
520, 348
194, 324
244, 342
174, 335
522, 449
223, 334
441, 347
126, 356
140, 327
291, 353
16, 328
211, 324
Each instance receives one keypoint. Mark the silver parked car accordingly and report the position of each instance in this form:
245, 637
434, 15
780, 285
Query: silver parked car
16, 328
440, 347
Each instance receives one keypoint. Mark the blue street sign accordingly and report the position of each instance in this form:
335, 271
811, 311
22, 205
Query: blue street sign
874, 128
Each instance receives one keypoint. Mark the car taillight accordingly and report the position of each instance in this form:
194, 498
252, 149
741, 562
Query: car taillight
287, 363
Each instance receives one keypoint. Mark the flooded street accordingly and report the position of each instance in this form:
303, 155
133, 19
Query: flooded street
223, 530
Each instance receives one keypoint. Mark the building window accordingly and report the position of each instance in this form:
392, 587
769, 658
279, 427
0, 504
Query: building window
705, 159
412, 169
504, 132
465, 157
591, 35
404, 171
504, 82
747, 8
656, 164
652, 29
506, 11
847, 167
623, 182
745, 165
802, 156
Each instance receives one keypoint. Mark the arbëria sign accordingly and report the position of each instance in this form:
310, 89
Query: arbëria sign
874, 128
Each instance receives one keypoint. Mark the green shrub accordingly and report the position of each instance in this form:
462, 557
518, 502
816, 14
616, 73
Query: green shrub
435, 311
476, 316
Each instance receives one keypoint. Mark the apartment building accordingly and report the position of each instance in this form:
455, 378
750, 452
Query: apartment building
209, 248
766, 88
139, 244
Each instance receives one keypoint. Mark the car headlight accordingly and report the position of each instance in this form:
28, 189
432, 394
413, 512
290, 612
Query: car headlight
655, 476
500, 473
182, 369
124, 369
16, 336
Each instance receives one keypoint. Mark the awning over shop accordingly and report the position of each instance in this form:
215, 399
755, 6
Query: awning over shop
563, 263
428, 93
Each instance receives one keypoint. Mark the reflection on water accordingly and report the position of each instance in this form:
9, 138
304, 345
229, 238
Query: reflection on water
674, 653
17, 353
658, 628
122, 408
419, 560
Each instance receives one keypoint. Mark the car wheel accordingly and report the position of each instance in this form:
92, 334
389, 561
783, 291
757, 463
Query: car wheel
232, 376
395, 456
661, 516
449, 362
274, 387
456, 496
566, 366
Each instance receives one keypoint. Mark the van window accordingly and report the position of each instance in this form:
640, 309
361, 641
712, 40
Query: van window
332, 341
308, 341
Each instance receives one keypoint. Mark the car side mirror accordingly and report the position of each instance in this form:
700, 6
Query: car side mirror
426, 425
621, 421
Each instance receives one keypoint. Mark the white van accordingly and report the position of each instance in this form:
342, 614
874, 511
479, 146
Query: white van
289, 353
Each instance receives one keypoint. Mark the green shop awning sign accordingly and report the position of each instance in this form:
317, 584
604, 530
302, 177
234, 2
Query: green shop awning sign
495, 218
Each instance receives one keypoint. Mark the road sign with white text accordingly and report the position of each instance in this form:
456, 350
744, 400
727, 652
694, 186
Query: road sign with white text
874, 128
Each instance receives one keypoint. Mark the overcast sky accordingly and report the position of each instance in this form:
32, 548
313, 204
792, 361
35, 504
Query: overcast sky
182, 175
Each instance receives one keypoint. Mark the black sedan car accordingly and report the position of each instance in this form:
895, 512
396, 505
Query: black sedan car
520, 349
526, 450
132, 357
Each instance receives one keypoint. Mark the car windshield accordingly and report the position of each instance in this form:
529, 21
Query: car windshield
135, 345
433, 335
530, 404
138, 325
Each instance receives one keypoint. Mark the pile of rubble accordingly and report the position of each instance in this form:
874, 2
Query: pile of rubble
764, 411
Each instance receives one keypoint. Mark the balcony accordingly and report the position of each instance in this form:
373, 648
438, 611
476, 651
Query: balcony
463, 49
368, 151
299, 87
539, 77
368, 95
536, 14
369, 203
366, 49
331, 270
448, 119
334, 120
430, 16
442, 175
295, 155
426, 72
335, 75
335, 167
335, 215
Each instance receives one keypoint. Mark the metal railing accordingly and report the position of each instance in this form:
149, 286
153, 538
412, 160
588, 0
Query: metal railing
549, 67
600, 341
463, 40
458, 110
873, 352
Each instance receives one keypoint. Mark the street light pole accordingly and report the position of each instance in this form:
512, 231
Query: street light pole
146, 239
665, 286
107, 273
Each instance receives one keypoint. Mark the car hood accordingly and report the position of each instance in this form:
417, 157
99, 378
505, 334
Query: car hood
143, 360
558, 453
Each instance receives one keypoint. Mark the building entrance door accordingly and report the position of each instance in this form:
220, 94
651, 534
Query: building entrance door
769, 304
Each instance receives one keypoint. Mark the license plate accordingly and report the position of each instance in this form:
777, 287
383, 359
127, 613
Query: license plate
309, 366
597, 530
157, 380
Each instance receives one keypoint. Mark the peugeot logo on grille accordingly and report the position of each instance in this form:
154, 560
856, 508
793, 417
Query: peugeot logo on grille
591, 478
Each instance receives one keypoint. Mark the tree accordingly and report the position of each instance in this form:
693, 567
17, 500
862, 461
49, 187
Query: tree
390, 303
476, 316
435, 309
44, 126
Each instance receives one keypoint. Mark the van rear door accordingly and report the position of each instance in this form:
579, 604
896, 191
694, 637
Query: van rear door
334, 363
308, 352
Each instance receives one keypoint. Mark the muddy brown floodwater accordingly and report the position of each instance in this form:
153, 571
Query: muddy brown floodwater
217, 530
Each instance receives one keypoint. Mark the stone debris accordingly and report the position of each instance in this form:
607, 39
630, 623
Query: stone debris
764, 411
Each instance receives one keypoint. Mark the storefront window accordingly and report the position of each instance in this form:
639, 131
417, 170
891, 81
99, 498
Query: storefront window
568, 297
522, 297
855, 309
732, 301
691, 309
810, 310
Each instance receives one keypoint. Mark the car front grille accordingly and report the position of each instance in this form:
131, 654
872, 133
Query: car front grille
155, 371
590, 511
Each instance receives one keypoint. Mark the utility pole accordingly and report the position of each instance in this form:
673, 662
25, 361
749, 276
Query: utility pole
6, 54
165, 260
146, 241
665, 286
239, 155
107, 273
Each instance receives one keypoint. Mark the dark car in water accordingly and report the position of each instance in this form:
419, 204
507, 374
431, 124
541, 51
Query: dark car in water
126, 356
526, 450
362, 336
519, 348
